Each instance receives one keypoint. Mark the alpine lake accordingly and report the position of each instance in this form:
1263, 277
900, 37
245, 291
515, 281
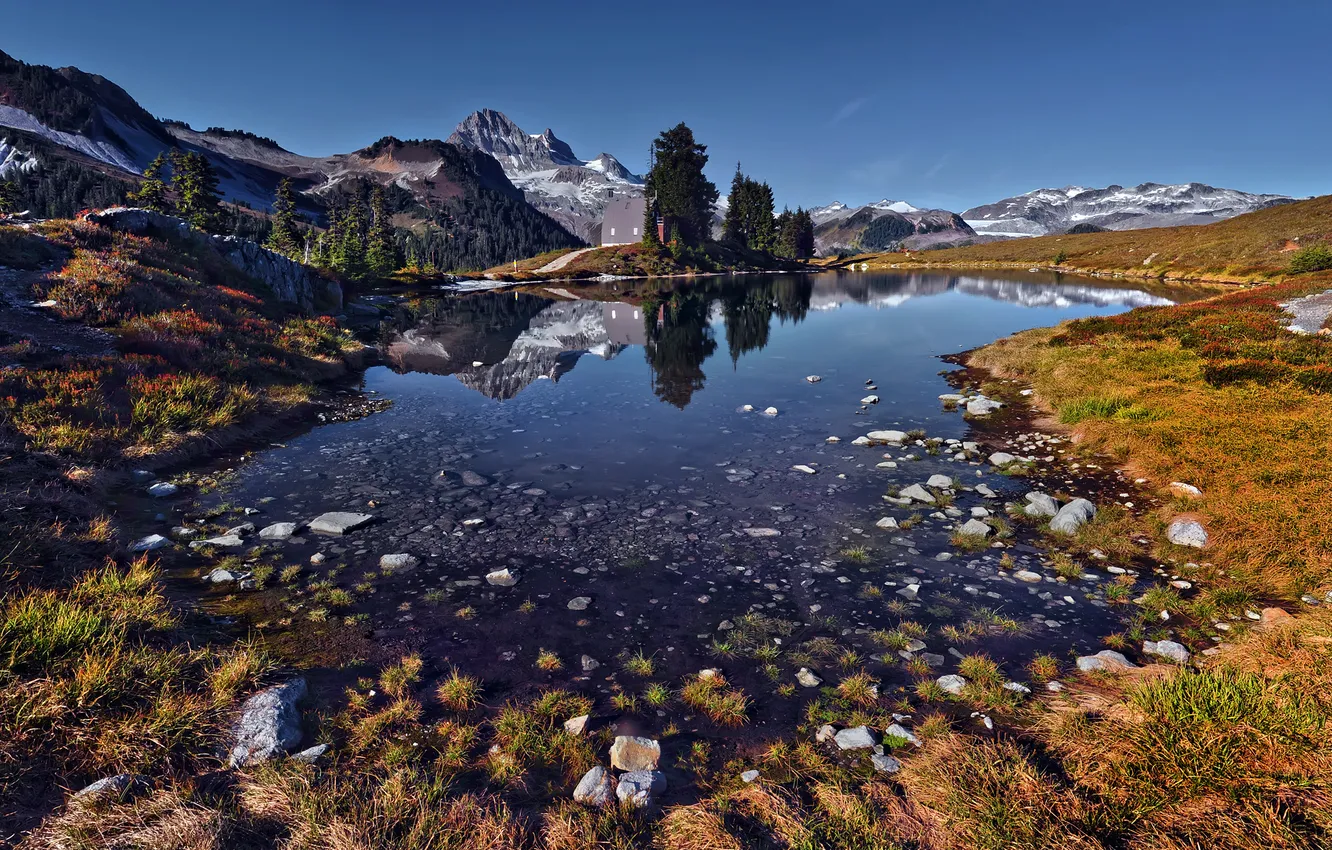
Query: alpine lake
596, 474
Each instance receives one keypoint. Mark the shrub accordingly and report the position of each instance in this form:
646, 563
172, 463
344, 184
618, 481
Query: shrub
1312, 258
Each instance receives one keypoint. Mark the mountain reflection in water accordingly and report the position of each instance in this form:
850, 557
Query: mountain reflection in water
499, 343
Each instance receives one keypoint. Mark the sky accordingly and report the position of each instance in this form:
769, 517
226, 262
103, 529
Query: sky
942, 104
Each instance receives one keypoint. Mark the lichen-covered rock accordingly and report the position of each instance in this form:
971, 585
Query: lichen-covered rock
633, 753
269, 724
596, 788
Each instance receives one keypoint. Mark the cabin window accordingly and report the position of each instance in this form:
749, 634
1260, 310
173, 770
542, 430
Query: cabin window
612, 231
635, 231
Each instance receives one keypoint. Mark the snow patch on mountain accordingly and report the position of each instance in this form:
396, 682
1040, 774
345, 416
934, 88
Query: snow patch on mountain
102, 151
14, 163
1043, 211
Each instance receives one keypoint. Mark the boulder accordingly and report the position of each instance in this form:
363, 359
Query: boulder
1168, 649
807, 679
940, 482
975, 528
862, 441
1106, 659
952, 683
1041, 505
916, 493
885, 763
269, 724
288, 280
1187, 532
638, 787
576, 725
889, 436
149, 543
911, 591
579, 603
1002, 459
982, 406
886, 523
634, 753
596, 788
502, 578
857, 738
278, 531
1073, 516
339, 522
398, 561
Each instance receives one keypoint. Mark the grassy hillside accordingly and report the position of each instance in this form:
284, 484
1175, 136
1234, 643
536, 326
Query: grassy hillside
1250, 247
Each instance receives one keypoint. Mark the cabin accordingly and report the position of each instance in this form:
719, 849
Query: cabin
623, 223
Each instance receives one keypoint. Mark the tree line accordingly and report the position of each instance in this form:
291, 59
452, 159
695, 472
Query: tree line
683, 198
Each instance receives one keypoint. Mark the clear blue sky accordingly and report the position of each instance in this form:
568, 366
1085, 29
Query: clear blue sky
945, 104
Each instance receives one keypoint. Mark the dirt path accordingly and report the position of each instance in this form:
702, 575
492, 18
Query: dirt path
563, 260
18, 318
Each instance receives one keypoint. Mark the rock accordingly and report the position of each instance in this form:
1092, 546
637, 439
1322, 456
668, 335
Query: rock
1187, 532
1041, 505
749, 776
596, 788
502, 578
885, 763
398, 561
826, 733
579, 603
1002, 459
862, 441
813, 379
857, 738
1106, 659
310, 755
589, 663
952, 398
762, 532
162, 489
709, 673
638, 787
940, 482
833, 440
222, 576
226, 541
952, 683
149, 543
1188, 491
975, 528
889, 436
807, 679
985, 491
1273, 617
109, 787
1073, 516
982, 406
1175, 652
897, 730
278, 531
576, 725
770, 411
805, 468
916, 493
886, 523
1028, 576
288, 280
339, 522
1017, 687
474, 479
870, 399
911, 591
634, 753
269, 724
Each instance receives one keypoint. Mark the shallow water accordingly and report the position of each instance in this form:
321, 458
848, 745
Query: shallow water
619, 465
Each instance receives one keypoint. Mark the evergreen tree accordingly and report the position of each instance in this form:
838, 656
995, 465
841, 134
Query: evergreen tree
11, 196
682, 193
196, 184
348, 241
785, 240
804, 234
381, 254
284, 238
733, 226
152, 194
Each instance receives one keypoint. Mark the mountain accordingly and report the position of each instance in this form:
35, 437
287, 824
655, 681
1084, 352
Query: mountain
83, 141
1114, 208
572, 191
884, 225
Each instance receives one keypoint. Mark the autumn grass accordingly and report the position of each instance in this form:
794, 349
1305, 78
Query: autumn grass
723, 704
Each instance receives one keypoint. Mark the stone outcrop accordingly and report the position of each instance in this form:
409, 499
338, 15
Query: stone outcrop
288, 280
269, 724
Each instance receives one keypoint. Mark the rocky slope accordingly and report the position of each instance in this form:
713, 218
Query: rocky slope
1113, 208
573, 191
885, 225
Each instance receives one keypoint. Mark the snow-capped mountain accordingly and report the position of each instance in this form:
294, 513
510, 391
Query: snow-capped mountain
573, 191
1113, 208
884, 225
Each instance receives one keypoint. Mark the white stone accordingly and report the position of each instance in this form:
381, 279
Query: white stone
278, 531
638, 787
1187, 532
149, 543
770, 411
952, 683
762, 532
162, 489
975, 528
941, 482
917, 493
1175, 652
1028, 576
1002, 459
886, 523
1106, 659
502, 578
807, 679
596, 788
870, 399
889, 436
339, 522
269, 724
1073, 516
398, 561
857, 738
630, 752
579, 603
805, 468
